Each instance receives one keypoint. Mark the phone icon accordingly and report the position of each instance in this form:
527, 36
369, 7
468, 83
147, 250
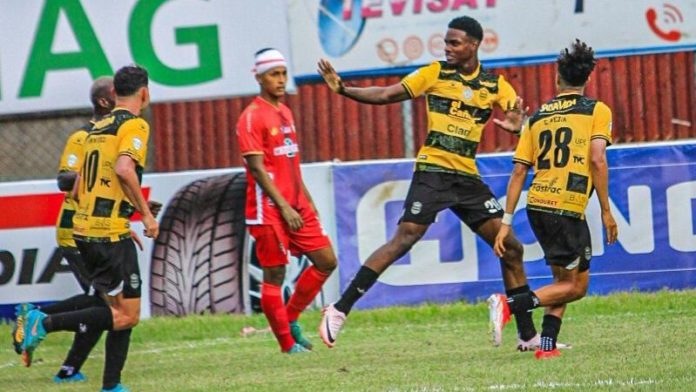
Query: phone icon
670, 35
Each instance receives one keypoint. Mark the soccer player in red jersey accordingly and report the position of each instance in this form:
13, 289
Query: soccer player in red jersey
280, 213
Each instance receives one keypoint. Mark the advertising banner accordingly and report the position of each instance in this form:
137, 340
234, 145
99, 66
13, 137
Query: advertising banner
201, 262
653, 198
51, 51
381, 36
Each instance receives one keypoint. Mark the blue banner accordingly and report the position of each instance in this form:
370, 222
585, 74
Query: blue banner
653, 196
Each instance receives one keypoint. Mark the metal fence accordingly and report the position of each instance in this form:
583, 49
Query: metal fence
31, 145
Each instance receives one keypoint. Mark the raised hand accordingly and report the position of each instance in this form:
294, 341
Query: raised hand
327, 71
515, 117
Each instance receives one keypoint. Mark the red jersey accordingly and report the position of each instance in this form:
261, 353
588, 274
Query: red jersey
264, 129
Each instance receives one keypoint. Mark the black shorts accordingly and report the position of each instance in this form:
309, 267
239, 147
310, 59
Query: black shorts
77, 266
565, 240
112, 267
468, 197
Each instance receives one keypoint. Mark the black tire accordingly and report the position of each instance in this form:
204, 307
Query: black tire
197, 260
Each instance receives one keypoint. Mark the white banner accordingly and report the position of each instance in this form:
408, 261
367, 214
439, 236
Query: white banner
368, 36
50, 51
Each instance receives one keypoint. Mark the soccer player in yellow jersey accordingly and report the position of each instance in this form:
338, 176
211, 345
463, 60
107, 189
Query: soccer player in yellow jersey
109, 193
460, 95
565, 142
102, 97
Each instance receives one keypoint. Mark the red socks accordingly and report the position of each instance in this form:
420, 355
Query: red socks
307, 287
274, 309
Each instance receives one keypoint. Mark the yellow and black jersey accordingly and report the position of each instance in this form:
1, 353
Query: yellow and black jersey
458, 108
103, 212
70, 161
556, 141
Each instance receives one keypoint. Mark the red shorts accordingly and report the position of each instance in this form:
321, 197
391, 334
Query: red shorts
275, 243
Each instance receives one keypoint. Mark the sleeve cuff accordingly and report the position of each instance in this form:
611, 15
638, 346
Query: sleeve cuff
522, 161
408, 89
252, 153
608, 140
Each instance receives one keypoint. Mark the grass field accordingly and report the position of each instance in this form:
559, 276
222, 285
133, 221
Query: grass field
622, 342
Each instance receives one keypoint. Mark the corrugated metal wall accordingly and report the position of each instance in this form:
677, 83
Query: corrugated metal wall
652, 97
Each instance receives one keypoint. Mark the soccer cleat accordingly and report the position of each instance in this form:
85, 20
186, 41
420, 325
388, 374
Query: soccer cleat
117, 388
534, 344
296, 332
331, 324
77, 377
34, 333
499, 315
541, 354
21, 311
298, 349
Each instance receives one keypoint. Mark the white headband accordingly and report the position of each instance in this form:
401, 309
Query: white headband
267, 60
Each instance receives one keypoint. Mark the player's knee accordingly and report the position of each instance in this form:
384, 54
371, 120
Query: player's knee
131, 321
123, 320
513, 252
579, 291
404, 240
274, 275
329, 265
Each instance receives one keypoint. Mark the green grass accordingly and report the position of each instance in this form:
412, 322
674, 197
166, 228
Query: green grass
627, 341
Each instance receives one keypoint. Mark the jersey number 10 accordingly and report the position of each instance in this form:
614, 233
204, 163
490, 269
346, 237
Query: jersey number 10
90, 168
561, 152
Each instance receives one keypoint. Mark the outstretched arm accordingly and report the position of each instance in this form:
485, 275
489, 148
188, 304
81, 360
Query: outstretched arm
376, 95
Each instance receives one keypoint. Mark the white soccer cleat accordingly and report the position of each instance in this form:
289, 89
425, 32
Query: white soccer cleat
498, 316
534, 344
331, 324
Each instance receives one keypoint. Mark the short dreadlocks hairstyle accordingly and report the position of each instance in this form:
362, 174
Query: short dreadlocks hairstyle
576, 65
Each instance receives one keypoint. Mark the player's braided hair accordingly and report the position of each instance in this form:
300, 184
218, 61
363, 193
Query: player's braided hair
129, 79
469, 25
576, 65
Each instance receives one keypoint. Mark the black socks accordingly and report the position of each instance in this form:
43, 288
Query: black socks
549, 332
71, 304
117, 343
94, 319
525, 323
82, 345
362, 282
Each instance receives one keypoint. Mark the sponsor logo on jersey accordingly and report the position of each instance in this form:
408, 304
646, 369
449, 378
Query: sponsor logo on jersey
543, 188
558, 105
290, 149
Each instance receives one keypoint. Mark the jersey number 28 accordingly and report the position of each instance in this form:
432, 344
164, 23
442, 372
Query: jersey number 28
561, 152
